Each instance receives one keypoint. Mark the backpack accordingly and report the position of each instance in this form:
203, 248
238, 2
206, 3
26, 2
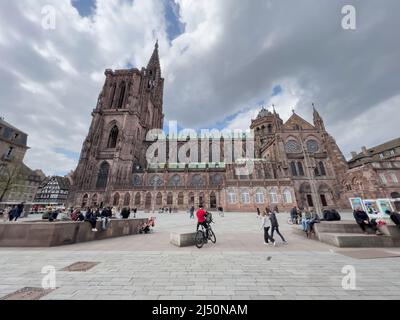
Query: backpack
208, 217
395, 218
336, 215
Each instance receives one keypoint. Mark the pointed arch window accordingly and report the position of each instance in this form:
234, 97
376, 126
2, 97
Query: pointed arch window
112, 95
121, 96
112, 139
138, 199
322, 169
301, 169
127, 199
116, 199
293, 168
102, 177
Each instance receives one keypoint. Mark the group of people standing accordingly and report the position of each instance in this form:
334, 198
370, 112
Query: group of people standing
269, 221
14, 213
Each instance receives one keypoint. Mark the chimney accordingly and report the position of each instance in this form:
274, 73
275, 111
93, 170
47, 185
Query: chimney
353, 154
364, 150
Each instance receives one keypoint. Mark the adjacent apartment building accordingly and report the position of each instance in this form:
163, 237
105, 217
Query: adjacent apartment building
18, 183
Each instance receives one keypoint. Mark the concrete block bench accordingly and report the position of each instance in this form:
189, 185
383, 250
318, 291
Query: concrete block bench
347, 234
183, 239
51, 234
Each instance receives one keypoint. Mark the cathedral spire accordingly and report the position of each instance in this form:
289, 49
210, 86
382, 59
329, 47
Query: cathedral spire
318, 121
154, 62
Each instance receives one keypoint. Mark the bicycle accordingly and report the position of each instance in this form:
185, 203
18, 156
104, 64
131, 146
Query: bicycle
203, 235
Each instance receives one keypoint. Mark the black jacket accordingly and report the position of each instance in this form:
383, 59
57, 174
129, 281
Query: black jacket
360, 216
395, 217
274, 220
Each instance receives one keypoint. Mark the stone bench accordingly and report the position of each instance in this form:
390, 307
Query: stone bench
348, 234
58, 233
183, 239
355, 240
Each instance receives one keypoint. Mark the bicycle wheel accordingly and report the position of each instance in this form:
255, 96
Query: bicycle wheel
199, 239
211, 236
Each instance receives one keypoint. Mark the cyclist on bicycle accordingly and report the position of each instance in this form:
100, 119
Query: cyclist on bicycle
201, 218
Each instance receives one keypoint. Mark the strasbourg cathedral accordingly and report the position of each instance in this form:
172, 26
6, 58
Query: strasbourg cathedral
295, 162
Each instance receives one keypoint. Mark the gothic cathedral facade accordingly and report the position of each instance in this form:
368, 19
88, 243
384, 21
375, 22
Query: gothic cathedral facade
295, 162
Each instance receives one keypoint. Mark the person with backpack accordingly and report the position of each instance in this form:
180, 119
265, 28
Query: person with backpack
275, 226
364, 221
202, 219
394, 216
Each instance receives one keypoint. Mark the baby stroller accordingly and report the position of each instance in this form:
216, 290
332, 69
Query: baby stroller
146, 227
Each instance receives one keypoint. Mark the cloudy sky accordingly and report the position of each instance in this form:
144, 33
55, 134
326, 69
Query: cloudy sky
221, 61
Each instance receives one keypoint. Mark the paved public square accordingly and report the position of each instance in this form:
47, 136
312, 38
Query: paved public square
238, 266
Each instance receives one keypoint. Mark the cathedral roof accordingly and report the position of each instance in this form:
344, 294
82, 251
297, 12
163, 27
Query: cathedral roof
296, 120
264, 113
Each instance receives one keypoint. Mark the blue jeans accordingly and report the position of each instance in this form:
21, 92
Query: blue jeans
305, 223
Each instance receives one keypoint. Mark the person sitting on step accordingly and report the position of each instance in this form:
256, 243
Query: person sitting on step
364, 221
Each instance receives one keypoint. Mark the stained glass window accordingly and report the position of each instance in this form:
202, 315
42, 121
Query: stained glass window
312, 146
292, 146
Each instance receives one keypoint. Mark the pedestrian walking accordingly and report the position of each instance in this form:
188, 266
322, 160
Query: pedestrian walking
191, 210
275, 226
266, 225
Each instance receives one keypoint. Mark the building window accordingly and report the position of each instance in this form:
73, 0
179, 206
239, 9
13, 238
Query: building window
170, 199
121, 96
312, 146
381, 155
245, 197
112, 95
300, 168
232, 198
259, 196
394, 178
287, 196
273, 196
116, 199
292, 146
84, 200
293, 168
102, 177
9, 153
383, 178
392, 152
180, 199
112, 139
127, 199
322, 170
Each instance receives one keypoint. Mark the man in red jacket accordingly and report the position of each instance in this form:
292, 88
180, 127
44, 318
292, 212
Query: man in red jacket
201, 218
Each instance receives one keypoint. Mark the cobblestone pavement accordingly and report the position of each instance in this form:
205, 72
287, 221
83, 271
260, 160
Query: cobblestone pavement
239, 266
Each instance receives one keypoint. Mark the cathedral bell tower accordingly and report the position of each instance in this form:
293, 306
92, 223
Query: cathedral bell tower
129, 105
265, 126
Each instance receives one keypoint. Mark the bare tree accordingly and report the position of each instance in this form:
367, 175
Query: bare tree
10, 176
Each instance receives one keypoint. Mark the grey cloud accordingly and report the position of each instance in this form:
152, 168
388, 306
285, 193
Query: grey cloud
245, 48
